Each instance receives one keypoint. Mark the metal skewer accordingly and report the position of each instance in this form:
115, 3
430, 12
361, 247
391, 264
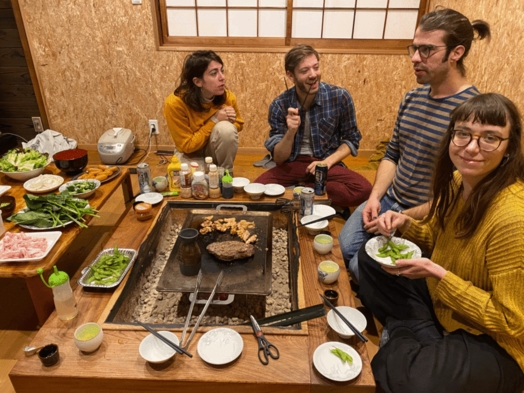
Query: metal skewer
190, 312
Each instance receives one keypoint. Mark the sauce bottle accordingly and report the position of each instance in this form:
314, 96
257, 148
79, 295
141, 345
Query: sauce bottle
199, 186
63, 297
227, 186
214, 189
173, 174
185, 181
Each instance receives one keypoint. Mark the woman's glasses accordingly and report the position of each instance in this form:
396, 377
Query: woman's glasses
486, 142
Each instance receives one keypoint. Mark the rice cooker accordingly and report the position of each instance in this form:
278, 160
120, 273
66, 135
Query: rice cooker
116, 145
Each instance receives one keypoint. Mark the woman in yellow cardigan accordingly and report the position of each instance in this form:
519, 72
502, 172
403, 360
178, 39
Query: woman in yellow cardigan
202, 115
454, 322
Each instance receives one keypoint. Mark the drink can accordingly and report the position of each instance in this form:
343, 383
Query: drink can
306, 201
296, 192
144, 177
321, 171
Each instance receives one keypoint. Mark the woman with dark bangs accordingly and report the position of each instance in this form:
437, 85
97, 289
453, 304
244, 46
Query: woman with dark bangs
454, 322
202, 115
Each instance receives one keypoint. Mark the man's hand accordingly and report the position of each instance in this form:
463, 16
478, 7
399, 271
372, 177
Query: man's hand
311, 167
370, 214
292, 120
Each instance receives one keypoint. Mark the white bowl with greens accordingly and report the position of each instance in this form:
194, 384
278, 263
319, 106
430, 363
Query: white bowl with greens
23, 164
80, 188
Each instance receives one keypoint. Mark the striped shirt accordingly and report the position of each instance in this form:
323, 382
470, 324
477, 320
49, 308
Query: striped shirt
421, 123
332, 120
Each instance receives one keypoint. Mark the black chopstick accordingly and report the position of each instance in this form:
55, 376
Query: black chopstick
317, 220
360, 336
167, 341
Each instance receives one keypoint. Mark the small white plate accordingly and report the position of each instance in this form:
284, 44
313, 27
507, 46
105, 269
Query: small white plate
43, 183
375, 243
353, 315
332, 367
51, 237
323, 210
274, 189
4, 189
150, 197
220, 346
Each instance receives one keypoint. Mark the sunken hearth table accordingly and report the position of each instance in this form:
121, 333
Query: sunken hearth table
117, 366
41, 296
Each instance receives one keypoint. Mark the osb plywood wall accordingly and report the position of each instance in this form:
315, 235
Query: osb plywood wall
99, 67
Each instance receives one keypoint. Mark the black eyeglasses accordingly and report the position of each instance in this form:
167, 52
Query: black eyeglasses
486, 142
425, 51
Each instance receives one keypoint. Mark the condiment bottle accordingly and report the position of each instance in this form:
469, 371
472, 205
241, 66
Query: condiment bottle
214, 190
143, 211
194, 167
199, 186
63, 297
185, 181
227, 186
189, 256
209, 161
173, 174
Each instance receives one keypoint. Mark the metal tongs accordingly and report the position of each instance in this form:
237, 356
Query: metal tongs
203, 312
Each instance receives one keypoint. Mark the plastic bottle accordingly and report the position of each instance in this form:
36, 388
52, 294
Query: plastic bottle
209, 161
227, 186
214, 189
185, 181
173, 174
194, 167
63, 297
199, 186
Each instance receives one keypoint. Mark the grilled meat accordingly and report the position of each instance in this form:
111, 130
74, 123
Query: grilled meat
231, 250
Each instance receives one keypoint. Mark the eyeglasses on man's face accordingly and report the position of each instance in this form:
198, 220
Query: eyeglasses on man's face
425, 51
486, 141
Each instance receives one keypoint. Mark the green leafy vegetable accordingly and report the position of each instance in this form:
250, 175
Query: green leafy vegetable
345, 357
53, 210
394, 251
81, 187
109, 268
22, 160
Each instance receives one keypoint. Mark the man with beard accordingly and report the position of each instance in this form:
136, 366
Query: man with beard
314, 123
442, 41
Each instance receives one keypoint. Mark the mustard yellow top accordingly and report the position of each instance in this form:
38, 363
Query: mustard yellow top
483, 290
190, 130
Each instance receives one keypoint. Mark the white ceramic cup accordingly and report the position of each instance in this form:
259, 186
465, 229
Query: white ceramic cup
160, 183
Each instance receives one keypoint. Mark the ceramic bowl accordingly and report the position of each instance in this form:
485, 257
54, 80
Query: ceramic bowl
71, 161
354, 316
317, 227
239, 183
23, 176
255, 190
82, 195
323, 243
331, 295
88, 337
8, 209
155, 350
328, 272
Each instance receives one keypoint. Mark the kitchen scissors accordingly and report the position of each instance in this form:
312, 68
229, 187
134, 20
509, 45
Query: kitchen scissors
266, 350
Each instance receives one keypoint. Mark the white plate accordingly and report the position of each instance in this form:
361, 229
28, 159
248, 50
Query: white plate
274, 189
83, 195
4, 189
332, 367
150, 197
220, 346
51, 237
323, 210
353, 315
375, 243
43, 183
229, 300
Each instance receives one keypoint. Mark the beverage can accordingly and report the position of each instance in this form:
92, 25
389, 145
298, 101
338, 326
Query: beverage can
321, 172
144, 177
306, 201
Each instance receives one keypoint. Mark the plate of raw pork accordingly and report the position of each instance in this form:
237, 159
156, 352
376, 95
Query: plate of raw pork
27, 247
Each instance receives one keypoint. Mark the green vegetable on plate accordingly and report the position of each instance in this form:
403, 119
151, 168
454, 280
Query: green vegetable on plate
345, 357
22, 160
109, 268
394, 251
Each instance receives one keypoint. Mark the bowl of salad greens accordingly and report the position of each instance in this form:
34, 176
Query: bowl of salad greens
23, 164
80, 188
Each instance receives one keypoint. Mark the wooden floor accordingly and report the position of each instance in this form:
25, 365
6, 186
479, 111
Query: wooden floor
18, 322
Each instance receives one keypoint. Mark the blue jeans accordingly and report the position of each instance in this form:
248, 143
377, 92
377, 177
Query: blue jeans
353, 235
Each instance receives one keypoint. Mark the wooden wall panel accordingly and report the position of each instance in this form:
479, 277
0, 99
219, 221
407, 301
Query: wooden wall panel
99, 67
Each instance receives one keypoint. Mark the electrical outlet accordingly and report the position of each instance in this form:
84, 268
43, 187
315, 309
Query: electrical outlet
153, 127
37, 124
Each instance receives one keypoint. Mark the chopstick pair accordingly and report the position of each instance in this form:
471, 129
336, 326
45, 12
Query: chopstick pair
203, 312
317, 220
360, 336
165, 340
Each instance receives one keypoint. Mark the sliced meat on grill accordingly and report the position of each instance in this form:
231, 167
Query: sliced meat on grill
231, 250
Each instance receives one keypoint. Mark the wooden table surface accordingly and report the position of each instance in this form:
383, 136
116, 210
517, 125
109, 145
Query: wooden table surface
41, 296
117, 366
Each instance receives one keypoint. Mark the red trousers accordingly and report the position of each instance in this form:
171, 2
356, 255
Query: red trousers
344, 187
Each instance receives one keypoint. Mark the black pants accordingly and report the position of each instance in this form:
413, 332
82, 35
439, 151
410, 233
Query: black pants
418, 358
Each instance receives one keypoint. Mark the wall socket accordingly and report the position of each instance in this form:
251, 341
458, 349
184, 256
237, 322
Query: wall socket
37, 124
153, 127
